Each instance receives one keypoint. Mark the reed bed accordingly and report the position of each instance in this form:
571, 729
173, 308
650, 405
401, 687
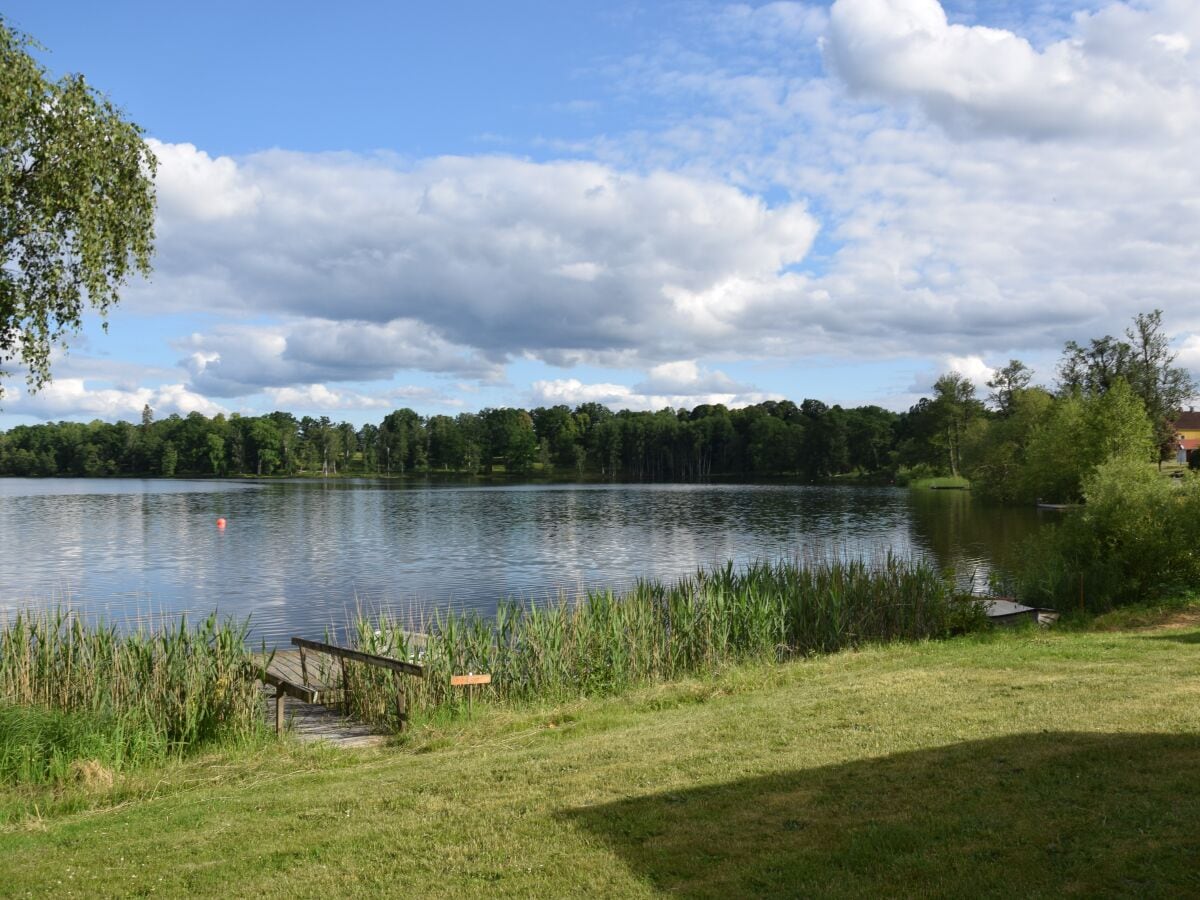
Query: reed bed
74, 690
601, 642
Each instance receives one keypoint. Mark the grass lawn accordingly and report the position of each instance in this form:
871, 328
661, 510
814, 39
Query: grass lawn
1009, 764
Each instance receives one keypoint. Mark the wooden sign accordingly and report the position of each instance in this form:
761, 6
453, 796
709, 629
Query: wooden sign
466, 680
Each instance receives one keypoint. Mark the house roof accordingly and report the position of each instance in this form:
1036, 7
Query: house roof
1188, 420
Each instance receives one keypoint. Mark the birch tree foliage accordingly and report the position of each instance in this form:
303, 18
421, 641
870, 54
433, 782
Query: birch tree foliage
76, 207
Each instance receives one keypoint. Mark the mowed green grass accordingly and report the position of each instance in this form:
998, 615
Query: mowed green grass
1011, 764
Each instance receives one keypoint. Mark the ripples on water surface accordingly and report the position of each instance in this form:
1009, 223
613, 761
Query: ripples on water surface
300, 556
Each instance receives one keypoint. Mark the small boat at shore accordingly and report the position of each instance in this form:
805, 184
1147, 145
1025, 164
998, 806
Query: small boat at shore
1058, 506
1007, 611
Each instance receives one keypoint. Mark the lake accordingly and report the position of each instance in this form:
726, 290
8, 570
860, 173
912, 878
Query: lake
301, 556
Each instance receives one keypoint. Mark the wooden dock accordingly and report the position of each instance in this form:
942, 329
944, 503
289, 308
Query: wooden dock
312, 722
318, 716
313, 674
288, 672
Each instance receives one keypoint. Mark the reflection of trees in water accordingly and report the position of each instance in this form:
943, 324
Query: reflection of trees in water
968, 535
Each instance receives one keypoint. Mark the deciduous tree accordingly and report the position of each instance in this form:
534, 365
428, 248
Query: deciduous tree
1006, 383
76, 206
1144, 361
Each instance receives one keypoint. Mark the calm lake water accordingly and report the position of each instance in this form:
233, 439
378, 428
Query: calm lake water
300, 556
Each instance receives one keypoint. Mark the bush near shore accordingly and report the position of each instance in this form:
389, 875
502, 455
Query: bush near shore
1130, 543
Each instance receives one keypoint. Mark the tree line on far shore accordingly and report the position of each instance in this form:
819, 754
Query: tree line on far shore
1115, 396
812, 441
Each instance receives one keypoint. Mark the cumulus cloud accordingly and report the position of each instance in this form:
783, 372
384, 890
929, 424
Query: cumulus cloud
321, 397
73, 398
679, 384
232, 360
1119, 75
500, 255
688, 378
973, 368
1189, 352
193, 185
318, 396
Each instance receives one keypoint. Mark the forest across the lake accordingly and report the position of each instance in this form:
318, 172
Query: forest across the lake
1021, 442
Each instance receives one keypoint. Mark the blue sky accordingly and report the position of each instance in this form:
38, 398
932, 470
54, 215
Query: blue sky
453, 205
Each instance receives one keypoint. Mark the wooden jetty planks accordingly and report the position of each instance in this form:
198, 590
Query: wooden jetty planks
285, 670
283, 673
289, 672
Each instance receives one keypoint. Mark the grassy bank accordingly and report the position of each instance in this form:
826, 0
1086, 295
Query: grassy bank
940, 483
1004, 764
602, 643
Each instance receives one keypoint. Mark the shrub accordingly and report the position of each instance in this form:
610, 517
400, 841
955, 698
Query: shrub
1130, 542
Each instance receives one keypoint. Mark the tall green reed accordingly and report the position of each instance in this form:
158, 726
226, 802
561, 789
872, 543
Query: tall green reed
602, 642
163, 690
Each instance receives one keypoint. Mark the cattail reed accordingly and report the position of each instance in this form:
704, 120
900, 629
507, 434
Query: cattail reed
602, 642
153, 693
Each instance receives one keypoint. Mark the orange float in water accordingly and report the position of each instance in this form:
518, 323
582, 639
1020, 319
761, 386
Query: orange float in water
220, 523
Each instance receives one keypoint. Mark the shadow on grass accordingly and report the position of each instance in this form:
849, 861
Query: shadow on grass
1032, 814
1183, 637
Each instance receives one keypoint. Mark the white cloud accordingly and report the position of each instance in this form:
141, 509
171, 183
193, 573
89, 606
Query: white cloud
318, 396
973, 368
233, 360
193, 185
572, 392
1173, 43
688, 378
322, 398
1189, 352
1117, 75
681, 385
72, 398
489, 256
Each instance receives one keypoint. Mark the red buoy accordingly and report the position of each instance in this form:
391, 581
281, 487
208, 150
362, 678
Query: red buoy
221, 523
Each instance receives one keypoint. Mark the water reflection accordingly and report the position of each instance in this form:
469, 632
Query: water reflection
967, 536
300, 556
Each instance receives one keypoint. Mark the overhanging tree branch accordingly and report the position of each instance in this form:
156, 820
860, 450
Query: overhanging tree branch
76, 207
